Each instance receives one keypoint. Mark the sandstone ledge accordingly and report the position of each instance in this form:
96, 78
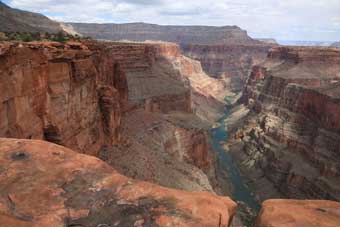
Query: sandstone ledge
43, 184
299, 213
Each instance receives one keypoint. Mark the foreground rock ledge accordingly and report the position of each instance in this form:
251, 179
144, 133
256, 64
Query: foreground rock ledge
299, 213
43, 184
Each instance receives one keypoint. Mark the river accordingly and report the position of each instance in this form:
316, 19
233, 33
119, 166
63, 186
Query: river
241, 192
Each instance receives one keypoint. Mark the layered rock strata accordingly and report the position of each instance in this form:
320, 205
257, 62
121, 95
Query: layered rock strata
162, 136
290, 141
78, 95
44, 184
64, 94
231, 63
168, 33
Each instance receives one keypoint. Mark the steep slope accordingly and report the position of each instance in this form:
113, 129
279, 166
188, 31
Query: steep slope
125, 102
232, 63
168, 33
289, 142
43, 184
15, 20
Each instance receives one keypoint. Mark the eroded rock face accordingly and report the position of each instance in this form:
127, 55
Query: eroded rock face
299, 213
290, 141
162, 140
43, 184
77, 95
60, 93
231, 63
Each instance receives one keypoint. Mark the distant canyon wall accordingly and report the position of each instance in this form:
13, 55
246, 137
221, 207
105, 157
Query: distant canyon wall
290, 139
232, 63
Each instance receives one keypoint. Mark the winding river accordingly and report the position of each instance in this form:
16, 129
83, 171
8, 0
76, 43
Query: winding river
226, 164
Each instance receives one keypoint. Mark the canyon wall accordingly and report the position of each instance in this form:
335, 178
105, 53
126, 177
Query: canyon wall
231, 63
168, 33
289, 143
64, 94
128, 103
163, 138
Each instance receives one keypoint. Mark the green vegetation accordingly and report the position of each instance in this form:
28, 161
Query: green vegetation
61, 37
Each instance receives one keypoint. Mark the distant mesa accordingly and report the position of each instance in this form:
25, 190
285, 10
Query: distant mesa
336, 44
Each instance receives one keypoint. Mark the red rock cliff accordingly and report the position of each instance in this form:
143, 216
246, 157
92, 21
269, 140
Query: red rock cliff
65, 94
292, 136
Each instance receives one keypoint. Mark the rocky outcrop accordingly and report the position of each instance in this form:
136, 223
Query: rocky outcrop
166, 33
290, 140
299, 213
43, 184
15, 20
231, 63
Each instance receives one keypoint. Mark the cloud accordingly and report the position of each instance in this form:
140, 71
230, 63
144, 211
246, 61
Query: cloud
289, 19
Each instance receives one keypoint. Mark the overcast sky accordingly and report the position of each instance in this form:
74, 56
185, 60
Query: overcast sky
280, 19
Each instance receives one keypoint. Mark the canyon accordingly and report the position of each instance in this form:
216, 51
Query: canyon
100, 99
285, 132
166, 126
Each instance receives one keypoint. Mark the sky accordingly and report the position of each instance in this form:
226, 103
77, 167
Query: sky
315, 20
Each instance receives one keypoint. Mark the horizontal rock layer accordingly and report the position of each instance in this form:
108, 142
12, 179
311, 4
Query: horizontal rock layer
168, 33
291, 137
232, 63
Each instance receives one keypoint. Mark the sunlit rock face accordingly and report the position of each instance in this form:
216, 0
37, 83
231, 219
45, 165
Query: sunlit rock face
44, 184
299, 213
290, 140
65, 94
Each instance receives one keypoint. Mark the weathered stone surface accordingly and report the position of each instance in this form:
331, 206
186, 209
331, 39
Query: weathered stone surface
43, 184
299, 213
50, 91
290, 141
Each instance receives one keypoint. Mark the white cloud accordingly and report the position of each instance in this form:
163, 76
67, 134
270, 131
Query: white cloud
288, 19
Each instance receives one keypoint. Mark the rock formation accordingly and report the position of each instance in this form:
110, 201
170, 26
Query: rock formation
15, 20
290, 140
167, 33
159, 127
64, 94
129, 103
231, 63
299, 213
44, 184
